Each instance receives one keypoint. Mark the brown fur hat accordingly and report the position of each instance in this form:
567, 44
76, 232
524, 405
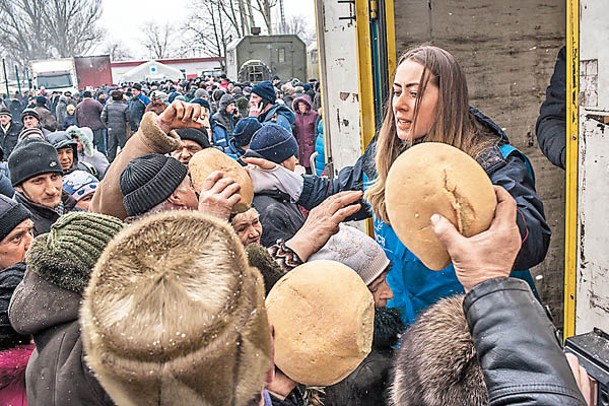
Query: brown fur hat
174, 315
436, 364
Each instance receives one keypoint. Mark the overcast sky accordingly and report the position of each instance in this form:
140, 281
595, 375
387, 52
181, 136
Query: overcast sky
123, 18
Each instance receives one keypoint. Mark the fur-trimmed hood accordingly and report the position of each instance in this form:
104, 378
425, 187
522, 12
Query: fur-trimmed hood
141, 343
437, 363
85, 136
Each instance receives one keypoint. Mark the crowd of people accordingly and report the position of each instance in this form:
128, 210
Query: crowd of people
121, 283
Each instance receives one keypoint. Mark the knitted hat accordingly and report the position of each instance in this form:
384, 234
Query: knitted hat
195, 135
357, 250
11, 215
137, 86
35, 132
274, 143
5, 112
30, 112
41, 100
66, 255
266, 91
79, 184
149, 180
141, 343
245, 129
31, 159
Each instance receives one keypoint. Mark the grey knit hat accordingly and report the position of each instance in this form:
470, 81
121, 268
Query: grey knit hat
66, 255
149, 180
11, 215
357, 250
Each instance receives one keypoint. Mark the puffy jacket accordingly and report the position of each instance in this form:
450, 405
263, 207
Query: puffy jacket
320, 159
219, 134
280, 218
279, 114
116, 117
517, 348
57, 373
228, 121
305, 130
9, 138
88, 113
551, 127
414, 286
137, 108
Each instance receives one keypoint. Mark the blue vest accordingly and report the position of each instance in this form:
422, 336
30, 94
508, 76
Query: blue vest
416, 287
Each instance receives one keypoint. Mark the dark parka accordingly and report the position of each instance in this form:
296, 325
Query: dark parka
551, 127
88, 114
56, 374
43, 216
280, 218
228, 121
116, 117
10, 137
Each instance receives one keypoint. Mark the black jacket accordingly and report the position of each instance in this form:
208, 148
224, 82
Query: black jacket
280, 218
9, 279
44, 217
9, 138
551, 127
116, 117
517, 349
511, 173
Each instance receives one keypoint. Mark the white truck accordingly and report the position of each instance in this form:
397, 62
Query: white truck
54, 74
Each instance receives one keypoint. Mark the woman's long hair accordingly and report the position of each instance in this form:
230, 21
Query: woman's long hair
453, 123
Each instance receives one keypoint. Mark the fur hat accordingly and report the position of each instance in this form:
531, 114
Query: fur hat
172, 320
245, 130
30, 159
11, 215
275, 143
357, 250
195, 135
148, 180
66, 255
80, 184
437, 363
266, 91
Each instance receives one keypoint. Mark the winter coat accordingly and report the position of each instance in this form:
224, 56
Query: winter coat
551, 127
305, 131
47, 119
89, 155
116, 117
88, 114
320, 159
9, 138
368, 384
61, 109
414, 286
235, 151
278, 114
69, 120
57, 373
280, 218
137, 108
43, 216
220, 137
526, 366
16, 109
228, 121
108, 198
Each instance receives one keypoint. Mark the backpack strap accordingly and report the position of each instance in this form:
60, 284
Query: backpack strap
508, 150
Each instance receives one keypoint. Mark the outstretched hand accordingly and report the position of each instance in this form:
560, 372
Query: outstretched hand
182, 115
323, 222
218, 195
487, 255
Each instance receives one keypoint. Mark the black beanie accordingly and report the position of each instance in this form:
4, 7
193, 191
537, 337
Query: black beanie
11, 215
149, 180
245, 130
195, 135
274, 143
266, 91
32, 158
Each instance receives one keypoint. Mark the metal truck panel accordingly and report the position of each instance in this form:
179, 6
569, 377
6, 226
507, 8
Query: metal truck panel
93, 71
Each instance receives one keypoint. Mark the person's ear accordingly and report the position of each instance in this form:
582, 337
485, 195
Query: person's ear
176, 198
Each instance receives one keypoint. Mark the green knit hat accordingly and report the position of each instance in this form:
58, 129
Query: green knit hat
65, 256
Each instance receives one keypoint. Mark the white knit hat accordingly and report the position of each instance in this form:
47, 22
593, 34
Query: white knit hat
357, 250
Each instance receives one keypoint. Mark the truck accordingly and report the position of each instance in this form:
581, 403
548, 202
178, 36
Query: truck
71, 74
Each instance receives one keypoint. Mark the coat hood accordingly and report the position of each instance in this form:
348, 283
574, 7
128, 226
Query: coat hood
85, 136
281, 110
302, 99
225, 100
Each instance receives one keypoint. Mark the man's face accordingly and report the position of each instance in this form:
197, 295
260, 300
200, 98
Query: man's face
44, 189
135, 92
248, 227
4, 119
78, 144
186, 150
188, 194
255, 99
85, 202
30, 122
66, 158
230, 109
14, 246
381, 292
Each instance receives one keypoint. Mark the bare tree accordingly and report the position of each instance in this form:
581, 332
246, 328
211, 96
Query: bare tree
37, 29
210, 31
117, 51
157, 39
264, 7
298, 25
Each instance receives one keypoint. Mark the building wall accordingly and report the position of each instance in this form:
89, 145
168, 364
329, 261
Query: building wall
284, 54
507, 50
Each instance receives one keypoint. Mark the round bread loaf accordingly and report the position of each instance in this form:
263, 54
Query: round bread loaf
323, 316
208, 160
430, 178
